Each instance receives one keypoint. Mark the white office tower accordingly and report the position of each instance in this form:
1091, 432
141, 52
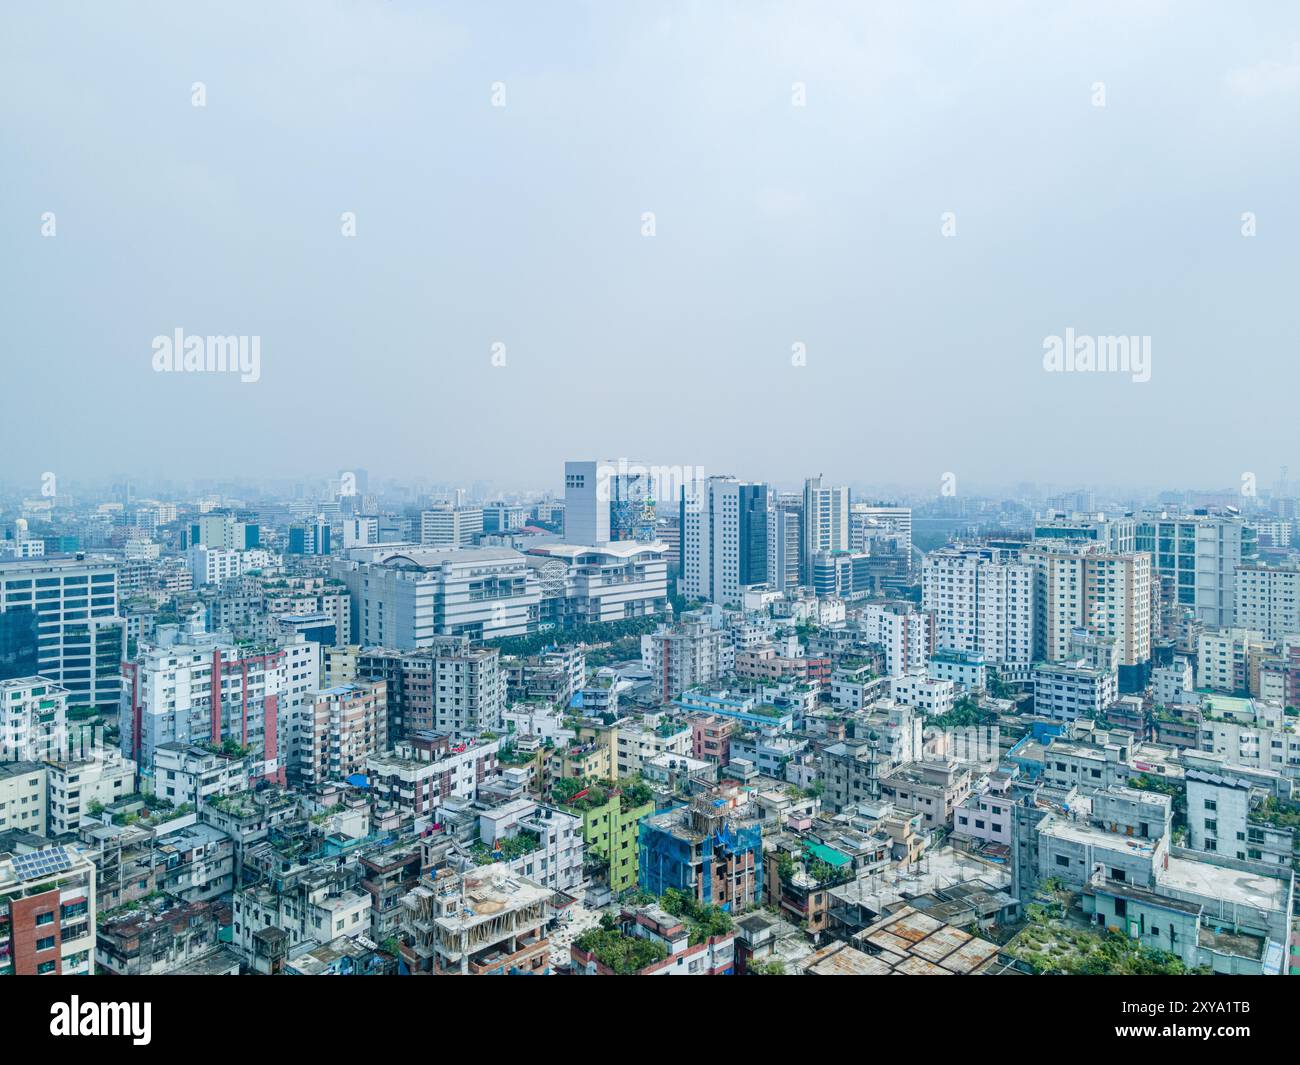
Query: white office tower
449, 525
724, 539
825, 522
868, 522
982, 602
784, 529
1116, 533
357, 532
1201, 552
609, 500
59, 620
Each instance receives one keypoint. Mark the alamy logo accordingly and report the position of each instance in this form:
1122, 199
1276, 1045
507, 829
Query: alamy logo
220, 354
79, 1018
1089, 354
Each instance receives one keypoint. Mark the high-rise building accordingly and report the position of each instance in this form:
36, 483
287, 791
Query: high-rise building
1114, 533
902, 631
1267, 599
359, 531
1201, 552
724, 539
224, 530
871, 521
682, 655
200, 687
339, 728
982, 602
1082, 586
58, 619
504, 517
785, 534
448, 687
825, 522
309, 538
451, 526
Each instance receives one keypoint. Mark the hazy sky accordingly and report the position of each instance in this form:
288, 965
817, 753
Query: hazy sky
774, 225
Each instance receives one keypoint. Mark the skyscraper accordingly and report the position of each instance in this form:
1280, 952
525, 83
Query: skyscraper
825, 522
58, 619
724, 539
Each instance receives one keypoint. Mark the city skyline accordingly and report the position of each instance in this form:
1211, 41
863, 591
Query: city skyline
446, 232
709, 488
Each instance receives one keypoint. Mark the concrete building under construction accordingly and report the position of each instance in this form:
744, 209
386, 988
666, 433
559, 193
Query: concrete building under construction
487, 921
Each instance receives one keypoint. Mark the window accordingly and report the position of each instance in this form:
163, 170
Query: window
1063, 860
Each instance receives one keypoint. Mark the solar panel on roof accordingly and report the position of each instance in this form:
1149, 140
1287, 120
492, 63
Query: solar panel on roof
42, 863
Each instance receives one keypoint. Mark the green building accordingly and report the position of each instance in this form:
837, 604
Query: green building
609, 829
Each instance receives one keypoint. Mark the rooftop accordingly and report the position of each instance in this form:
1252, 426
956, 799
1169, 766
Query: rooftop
1229, 886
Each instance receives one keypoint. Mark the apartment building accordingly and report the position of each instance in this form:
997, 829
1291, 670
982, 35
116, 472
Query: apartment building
639, 743
187, 773
23, 797
1082, 587
77, 786
1230, 660
315, 903
981, 601
338, 729
218, 565
428, 768
1267, 600
1228, 814
922, 692
193, 686
448, 686
905, 634
33, 718
47, 912
684, 655
852, 770
932, 788
537, 841
1067, 691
